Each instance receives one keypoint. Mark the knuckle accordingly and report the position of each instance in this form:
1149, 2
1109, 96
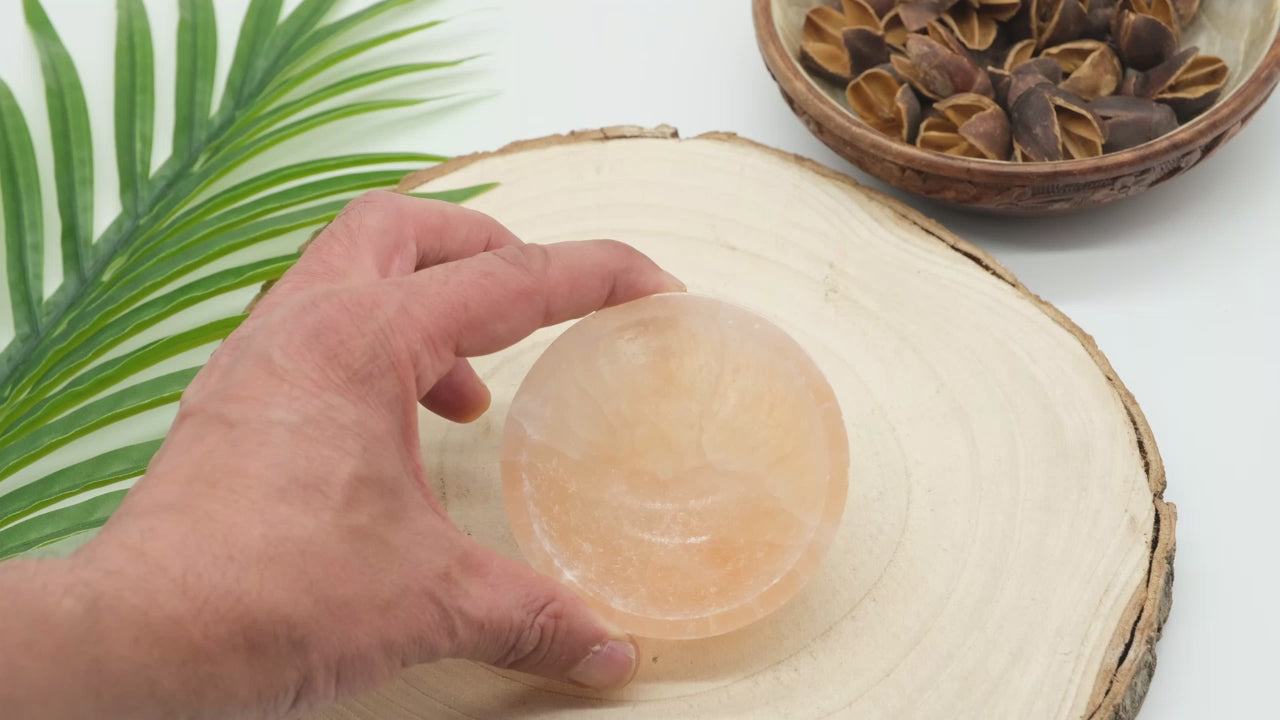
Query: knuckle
531, 261
352, 216
332, 317
346, 329
533, 641
371, 200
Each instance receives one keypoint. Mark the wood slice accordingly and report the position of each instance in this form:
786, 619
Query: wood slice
1005, 551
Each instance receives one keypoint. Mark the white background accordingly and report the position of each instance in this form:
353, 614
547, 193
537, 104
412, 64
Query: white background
1178, 286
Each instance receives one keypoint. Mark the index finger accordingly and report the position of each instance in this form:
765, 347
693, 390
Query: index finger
493, 300
384, 234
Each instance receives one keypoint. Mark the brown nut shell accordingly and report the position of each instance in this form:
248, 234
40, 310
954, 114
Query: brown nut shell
1101, 14
977, 22
885, 103
1000, 81
895, 32
1001, 10
1019, 53
1058, 21
917, 14
1188, 82
1130, 121
823, 25
860, 13
938, 72
1050, 125
967, 125
1092, 68
825, 50
1143, 41
1021, 27
881, 7
941, 34
975, 30
1030, 74
1162, 10
829, 62
866, 49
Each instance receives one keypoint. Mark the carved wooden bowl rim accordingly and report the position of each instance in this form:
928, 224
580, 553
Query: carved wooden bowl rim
826, 118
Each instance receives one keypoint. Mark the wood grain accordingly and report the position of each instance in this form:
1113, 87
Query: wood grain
1005, 550
1245, 32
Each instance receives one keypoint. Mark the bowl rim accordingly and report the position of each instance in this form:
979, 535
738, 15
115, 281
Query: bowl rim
805, 96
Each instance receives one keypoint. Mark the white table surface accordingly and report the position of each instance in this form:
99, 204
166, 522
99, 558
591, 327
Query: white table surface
1180, 287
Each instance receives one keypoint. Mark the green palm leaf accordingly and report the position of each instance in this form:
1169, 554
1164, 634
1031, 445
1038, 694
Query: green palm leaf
197, 61
105, 469
108, 409
23, 220
135, 103
72, 143
87, 356
58, 524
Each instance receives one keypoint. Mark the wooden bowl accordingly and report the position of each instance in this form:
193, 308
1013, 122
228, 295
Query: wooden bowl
1245, 33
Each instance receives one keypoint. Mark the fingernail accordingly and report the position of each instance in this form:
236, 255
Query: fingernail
608, 666
674, 283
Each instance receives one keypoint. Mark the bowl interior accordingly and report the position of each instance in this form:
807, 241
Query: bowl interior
1238, 31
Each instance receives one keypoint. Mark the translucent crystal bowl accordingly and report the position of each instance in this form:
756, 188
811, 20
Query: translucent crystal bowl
678, 461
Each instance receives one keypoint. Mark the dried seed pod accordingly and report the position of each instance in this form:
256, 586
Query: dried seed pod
1162, 10
939, 72
1030, 74
1130, 121
1100, 17
996, 53
1021, 52
895, 32
1142, 41
1058, 21
866, 49
823, 50
1001, 10
881, 7
1092, 69
1188, 82
917, 14
1000, 81
1150, 83
824, 25
1050, 124
829, 62
940, 34
967, 125
975, 30
885, 102
1021, 26
822, 46
944, 36
977, 22
860, 13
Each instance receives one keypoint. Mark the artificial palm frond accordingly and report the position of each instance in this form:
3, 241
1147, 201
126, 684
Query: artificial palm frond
77, 361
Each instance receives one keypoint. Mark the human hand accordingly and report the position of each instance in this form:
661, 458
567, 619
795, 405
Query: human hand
285, 548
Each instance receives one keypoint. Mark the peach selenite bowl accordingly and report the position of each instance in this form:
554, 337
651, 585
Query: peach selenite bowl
680, 462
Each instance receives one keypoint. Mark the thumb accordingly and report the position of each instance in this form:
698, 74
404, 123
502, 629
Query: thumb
521, 620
